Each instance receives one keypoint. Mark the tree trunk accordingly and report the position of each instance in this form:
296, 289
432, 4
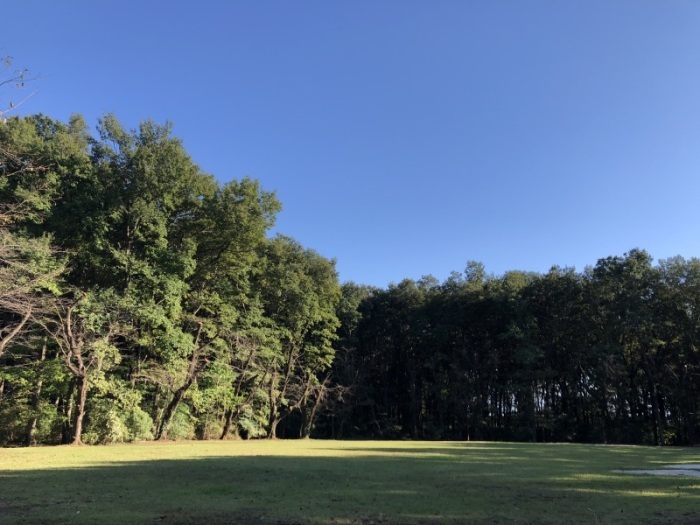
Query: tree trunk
658, 428
308, 417
656, 414
170, 410
305, 426
4, 341
80, 410
231, 416
192, 372
36, 396
68, 414
227, 423
272, 433
273, 420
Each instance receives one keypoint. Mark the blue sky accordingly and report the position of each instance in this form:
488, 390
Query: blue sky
404, 137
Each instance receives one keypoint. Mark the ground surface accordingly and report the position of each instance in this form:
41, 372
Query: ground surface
682, 469
331, 482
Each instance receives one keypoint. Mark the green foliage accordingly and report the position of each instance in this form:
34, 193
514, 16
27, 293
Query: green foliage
112, 422
105, 424
143, 299
300, 293
14, 419
607, 355
183, 425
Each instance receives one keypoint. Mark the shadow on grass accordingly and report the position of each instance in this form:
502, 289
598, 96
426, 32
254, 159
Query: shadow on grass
459, 484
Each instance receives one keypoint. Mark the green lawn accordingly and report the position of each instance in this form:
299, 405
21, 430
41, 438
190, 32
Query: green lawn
341, 482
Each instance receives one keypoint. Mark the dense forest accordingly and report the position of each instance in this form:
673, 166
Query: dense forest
609, 355
142, 299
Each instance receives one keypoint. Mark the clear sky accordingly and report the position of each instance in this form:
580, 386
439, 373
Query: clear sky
406, 137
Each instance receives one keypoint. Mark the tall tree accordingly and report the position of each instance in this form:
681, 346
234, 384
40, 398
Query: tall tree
300, 293
626, 290
83, 327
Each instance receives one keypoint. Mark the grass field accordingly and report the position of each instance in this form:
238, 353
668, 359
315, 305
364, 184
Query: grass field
363, 482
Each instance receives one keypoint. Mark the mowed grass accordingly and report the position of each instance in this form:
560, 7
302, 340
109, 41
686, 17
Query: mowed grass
343, 482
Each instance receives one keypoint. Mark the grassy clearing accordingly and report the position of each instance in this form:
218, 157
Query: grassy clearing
314, 482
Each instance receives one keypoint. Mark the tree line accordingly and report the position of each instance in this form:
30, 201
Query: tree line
140, 298
607, 355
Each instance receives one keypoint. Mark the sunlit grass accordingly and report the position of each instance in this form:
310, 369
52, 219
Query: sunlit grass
343, 482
